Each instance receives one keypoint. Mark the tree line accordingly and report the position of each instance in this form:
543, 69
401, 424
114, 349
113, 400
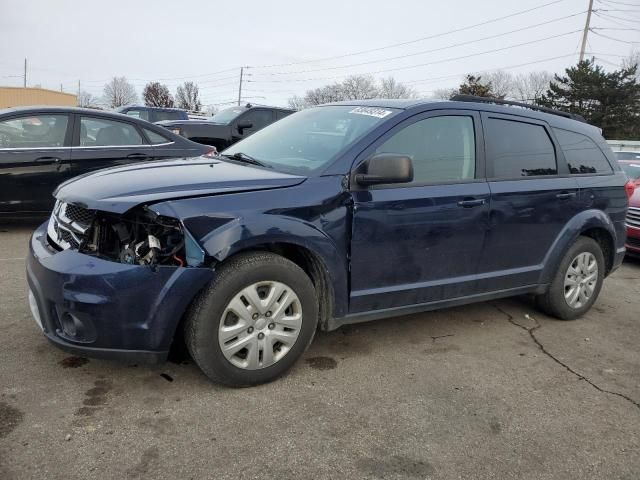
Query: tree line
608, 100
119, 92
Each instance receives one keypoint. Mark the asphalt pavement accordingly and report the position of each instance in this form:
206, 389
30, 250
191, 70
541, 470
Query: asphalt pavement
493, 390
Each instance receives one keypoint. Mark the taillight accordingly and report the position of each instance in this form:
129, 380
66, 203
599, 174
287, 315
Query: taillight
629, 188
211, 152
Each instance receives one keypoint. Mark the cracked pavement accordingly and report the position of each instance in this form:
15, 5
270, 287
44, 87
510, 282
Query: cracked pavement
492, 390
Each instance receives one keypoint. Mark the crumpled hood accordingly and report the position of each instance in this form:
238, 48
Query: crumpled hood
118, 189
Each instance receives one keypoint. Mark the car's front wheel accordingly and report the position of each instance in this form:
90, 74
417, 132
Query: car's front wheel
577, 282
254, 321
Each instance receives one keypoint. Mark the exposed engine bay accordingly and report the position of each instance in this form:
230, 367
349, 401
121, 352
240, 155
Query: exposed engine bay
138, 238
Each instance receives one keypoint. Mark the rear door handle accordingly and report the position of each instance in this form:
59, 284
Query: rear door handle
565, 195
471, 202
48, 160
138, 156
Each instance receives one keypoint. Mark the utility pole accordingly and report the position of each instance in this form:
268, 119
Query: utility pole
61, 87
240, 86
25, 74
586, 30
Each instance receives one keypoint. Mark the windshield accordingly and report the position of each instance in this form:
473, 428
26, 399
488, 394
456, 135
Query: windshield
225, 116
632, 169
305, 142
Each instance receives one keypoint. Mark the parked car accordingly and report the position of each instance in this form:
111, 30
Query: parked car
228, 126
633, 224
153, 114
337, 214
632, 168
41, 147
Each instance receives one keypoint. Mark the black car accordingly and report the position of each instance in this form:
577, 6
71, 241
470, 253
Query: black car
42, 147
228, 126
153, 114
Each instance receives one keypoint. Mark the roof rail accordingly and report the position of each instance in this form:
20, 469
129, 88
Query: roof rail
498, 101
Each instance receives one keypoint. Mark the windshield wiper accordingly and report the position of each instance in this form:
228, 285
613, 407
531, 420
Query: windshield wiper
243, 157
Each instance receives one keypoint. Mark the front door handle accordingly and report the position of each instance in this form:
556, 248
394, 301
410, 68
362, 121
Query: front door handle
565, 195
48, 160
138, 156
471, 202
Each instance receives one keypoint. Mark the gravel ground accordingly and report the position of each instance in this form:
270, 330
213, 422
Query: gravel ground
492, 390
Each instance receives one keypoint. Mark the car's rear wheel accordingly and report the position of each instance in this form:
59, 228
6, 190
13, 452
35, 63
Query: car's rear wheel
254, 321
577, 283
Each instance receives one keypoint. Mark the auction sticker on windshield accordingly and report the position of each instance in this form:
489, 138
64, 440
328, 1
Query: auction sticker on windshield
372, 112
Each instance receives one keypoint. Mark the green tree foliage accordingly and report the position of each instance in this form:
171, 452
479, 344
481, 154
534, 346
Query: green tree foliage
473, 85
609, 100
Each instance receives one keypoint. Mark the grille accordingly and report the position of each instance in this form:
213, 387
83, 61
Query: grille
79, 214
633, 217
633, 242
68, 225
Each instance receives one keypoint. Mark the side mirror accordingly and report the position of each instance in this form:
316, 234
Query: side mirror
242, 125
386, 168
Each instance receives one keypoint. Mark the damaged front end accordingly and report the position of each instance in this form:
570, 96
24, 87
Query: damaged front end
137, 237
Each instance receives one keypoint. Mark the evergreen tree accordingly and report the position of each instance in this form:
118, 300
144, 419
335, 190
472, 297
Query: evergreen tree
608, 100
473, 86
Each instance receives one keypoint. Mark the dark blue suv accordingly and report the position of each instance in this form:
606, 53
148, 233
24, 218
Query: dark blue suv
334, 215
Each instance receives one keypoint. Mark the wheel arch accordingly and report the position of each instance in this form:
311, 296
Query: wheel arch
594, 224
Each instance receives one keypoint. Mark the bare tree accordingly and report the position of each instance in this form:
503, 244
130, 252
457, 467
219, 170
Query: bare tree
390, 88
296, 103
87, 100
444, 93
502, 83
119, 92
529, 87
358, 87
355, 87
155, 94
633, 60
188, 97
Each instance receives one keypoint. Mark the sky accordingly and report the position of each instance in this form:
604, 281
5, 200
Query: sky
291, 46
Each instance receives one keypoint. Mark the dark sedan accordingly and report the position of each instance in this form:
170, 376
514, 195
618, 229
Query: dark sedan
41, 147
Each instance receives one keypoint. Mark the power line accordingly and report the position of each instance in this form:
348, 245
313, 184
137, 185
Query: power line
620, 3
614, 39
446, 47
430, 37
508, 67
425, 64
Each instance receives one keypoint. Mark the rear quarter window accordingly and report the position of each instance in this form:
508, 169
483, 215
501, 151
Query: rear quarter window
582, 154
518, 149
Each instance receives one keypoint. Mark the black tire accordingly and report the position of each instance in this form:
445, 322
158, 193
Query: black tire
204, 316
553, 302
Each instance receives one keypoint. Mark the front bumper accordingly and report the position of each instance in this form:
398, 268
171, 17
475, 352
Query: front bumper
103, 309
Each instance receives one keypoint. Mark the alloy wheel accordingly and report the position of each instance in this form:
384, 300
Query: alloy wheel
580, 280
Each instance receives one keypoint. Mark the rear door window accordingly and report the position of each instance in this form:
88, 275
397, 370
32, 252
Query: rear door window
155, 138
518, 149
34, 131
101, 132
582, 154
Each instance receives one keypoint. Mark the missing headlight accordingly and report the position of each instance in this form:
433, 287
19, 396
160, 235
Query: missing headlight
139, 237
